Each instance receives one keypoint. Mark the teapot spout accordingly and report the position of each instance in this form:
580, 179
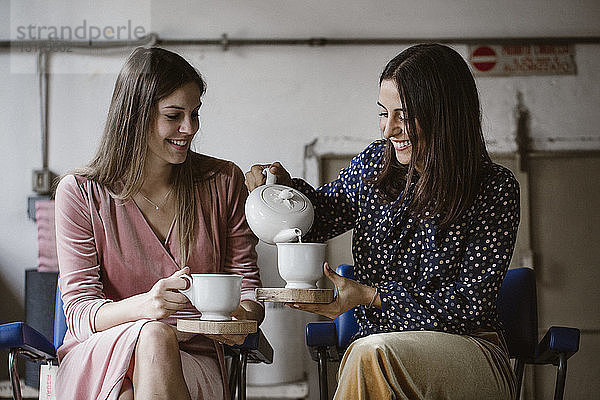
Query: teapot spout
287, 235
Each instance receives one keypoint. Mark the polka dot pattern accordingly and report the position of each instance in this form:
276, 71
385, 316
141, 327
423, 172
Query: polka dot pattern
428, 280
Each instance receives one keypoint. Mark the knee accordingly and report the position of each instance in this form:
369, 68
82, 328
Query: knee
156, 336
370, 344
367, 349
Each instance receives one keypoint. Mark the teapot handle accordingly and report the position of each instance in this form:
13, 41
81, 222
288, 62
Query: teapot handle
271, 178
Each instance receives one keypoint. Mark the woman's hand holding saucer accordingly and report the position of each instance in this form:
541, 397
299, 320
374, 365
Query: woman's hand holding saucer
247, 310
349, 295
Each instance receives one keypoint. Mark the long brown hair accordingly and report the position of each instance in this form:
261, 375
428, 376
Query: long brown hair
149, 74
439, 94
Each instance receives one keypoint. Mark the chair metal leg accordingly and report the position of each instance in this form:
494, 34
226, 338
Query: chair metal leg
14, 374
519, 369
233, 376
242, 377
322, 354
561, 376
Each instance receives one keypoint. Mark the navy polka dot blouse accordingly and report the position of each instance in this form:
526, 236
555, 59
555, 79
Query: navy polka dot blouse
428, 280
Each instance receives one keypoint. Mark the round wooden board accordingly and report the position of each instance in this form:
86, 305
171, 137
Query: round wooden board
233, 327
288, 295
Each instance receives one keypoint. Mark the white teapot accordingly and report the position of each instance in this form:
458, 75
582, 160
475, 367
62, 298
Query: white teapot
278, 213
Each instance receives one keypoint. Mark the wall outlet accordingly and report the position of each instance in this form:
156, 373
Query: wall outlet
42, 181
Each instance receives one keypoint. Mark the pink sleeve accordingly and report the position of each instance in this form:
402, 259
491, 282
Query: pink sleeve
241, 255
79, 282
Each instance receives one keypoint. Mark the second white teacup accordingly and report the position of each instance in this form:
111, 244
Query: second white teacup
301, 264
216, 296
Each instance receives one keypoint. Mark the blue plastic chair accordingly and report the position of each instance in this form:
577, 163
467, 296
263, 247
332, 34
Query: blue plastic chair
20, 339
517, 308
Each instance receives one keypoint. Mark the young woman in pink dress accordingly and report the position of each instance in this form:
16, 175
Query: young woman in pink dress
143, 212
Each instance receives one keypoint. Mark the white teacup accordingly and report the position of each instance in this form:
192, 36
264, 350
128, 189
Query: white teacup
216, 296
301, 264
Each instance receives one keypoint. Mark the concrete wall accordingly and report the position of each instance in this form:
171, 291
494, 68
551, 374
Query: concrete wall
267, 103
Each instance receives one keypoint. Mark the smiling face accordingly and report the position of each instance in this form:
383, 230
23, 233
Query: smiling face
392, 120
174, 126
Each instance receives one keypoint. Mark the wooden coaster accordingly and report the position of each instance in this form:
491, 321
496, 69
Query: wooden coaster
288, 295
233, 327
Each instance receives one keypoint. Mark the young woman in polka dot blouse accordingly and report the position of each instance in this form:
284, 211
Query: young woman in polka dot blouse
435, 223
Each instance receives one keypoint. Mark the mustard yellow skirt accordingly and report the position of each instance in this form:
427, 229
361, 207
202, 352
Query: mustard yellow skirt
426, 365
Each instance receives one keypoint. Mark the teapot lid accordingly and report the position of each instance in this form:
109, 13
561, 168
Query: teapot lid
283, 199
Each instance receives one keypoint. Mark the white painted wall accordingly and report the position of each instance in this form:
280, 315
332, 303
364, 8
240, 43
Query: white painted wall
267, 103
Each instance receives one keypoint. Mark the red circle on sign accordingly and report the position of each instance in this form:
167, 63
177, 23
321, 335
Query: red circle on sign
483, 58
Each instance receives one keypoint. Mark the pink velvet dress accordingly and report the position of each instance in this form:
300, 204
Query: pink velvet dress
107, 252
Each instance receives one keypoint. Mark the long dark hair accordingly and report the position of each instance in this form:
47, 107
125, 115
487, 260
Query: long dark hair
439, 94
148, 75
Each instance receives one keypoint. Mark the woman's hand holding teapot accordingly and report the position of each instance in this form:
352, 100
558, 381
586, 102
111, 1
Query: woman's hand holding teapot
256, 177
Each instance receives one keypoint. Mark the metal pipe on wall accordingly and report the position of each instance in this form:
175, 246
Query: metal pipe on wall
225, 42
42, 69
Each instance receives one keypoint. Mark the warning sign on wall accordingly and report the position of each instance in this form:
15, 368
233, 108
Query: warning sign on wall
522, 59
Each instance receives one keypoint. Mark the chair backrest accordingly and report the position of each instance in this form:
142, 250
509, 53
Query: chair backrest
60, 322
345, 325
517, 309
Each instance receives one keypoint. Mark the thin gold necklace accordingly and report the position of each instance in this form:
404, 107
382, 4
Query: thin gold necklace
162, 203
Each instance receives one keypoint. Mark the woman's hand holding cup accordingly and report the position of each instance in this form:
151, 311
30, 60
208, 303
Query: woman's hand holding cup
164, 298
